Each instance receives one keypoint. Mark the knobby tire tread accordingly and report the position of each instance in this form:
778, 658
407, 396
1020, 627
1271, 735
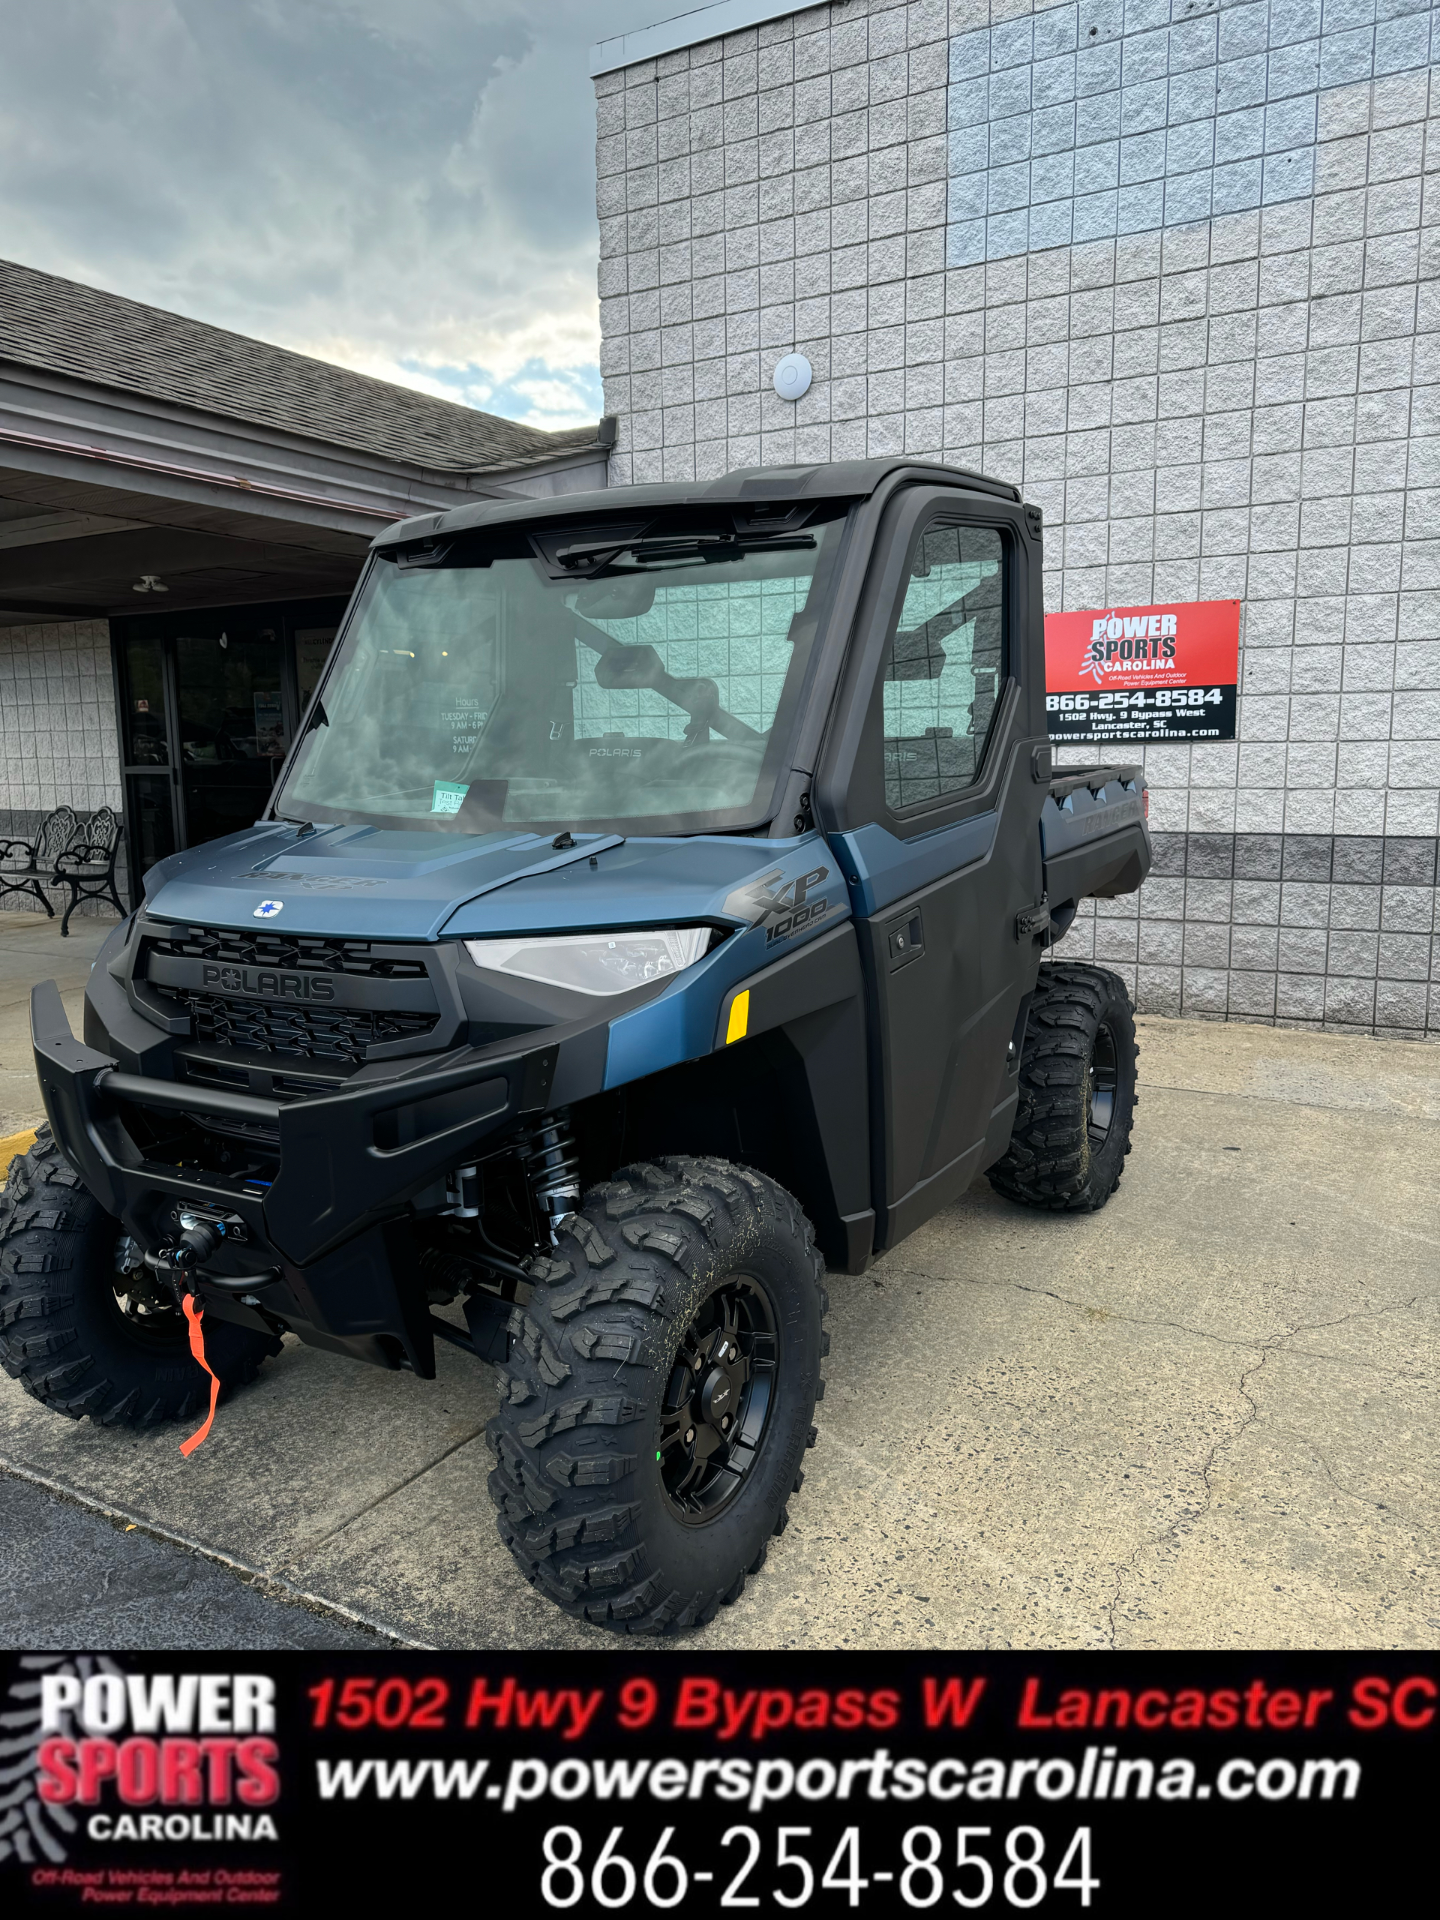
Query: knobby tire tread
1050, 1162
56, 1247
589, 1352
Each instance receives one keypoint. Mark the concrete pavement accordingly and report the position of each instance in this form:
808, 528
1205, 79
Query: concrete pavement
69, 1578
30, 950
1203, 1417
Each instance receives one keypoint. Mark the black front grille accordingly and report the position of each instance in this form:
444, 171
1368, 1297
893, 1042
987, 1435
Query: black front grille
295, 952
276, 999
308, 1033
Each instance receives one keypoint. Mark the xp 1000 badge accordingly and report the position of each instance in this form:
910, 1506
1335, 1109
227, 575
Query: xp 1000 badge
784, 903
1143, 673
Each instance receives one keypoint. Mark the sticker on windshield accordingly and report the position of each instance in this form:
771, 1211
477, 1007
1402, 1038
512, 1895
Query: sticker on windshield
463, 720
448, 796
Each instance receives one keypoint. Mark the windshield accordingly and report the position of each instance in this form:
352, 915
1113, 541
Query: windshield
488, 685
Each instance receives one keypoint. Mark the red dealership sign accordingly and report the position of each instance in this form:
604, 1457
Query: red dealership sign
1143, 673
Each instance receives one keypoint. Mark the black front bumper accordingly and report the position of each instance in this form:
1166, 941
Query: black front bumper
330, 1236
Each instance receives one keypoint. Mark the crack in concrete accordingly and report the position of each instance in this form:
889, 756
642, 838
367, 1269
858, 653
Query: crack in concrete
314, 1542
1180, 1326
1267, 1347
1224, 1442
1174, 1527
1279, 1100
1364, 1499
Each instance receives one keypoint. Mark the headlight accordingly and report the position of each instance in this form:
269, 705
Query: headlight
594, 962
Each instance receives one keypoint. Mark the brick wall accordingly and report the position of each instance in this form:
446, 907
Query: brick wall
58, 744
1171, 267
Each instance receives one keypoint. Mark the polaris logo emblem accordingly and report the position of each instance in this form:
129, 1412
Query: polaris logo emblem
265, 985
267, 909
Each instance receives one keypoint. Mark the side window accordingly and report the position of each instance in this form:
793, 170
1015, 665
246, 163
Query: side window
943, 669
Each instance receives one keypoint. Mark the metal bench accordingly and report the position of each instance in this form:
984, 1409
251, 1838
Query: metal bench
28, 866
87, 865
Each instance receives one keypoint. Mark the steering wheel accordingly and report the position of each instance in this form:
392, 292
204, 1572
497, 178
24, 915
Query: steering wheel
720, 756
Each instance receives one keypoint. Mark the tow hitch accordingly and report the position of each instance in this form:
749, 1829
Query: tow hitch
198, 1241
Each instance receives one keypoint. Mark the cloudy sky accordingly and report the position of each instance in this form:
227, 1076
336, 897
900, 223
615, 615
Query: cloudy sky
406, 186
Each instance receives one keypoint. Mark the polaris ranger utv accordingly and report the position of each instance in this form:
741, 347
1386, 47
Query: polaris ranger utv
650, 914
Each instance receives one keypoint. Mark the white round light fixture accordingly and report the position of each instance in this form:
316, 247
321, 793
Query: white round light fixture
792, 376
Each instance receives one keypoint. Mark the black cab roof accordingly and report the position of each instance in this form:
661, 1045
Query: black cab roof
829, 480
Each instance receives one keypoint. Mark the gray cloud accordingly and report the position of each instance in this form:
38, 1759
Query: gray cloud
408, 189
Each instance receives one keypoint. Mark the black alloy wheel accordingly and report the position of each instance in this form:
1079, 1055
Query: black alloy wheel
717, 1404
1101, 1087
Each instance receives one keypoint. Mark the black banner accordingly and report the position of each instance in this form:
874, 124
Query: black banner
645, 1781
1153, 714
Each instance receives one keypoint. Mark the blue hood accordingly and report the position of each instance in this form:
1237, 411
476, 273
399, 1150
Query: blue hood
368, 883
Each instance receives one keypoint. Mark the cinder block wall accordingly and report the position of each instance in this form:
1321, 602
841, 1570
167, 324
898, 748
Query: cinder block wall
1170, 266
58, 744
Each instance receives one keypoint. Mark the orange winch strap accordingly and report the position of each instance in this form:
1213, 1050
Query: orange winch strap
197, 1347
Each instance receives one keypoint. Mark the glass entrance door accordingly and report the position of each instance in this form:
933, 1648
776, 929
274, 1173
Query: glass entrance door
230, 705
144, 693
208, 703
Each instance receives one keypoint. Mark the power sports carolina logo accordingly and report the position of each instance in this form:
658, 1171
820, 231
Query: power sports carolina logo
1185, 644
1121, 642
113, 1756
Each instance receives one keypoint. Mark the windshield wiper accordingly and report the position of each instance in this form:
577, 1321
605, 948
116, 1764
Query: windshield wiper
581, 558
712, 546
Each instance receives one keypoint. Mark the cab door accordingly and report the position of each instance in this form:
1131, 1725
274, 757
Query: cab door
931, 791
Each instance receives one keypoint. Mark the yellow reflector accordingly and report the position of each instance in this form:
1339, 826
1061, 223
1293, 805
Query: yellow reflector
739, 1017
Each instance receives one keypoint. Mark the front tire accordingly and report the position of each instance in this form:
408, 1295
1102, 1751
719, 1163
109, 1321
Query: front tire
659, 1394
76, 1332
1077, 1093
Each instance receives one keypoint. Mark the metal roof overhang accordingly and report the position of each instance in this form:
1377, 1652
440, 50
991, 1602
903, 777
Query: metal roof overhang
99, 488
689, 30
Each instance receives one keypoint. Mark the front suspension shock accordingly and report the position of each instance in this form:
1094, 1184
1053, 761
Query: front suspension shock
552, 1165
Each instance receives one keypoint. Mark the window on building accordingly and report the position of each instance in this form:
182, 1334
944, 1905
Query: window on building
312, 650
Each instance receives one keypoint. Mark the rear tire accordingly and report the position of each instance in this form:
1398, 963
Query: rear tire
1077, 1093
69, 1331
659, 1393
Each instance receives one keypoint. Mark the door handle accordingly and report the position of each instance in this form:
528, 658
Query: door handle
905, 940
